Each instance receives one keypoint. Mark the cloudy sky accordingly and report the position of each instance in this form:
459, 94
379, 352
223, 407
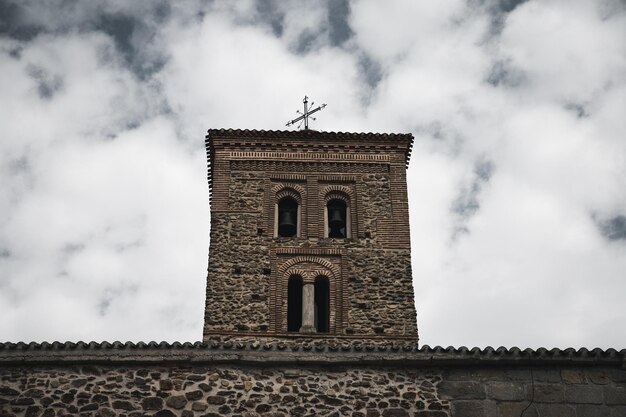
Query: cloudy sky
517, 180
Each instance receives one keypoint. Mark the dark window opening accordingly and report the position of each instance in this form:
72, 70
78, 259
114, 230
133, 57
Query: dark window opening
337, 221
322, 305
287, 217
294, 304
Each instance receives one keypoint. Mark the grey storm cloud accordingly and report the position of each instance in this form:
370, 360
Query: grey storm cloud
516, 107
467, 203
579, 109
47, 84
503, 74
12, 24
614, 228
270, 12
134, 31
338, 16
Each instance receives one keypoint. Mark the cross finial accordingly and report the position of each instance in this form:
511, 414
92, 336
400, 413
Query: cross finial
306, 114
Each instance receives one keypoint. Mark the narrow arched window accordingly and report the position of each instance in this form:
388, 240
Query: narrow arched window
287, 217
294, 303
322, 305
337, 220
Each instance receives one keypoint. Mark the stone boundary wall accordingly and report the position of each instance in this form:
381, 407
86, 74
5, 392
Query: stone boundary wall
177, 381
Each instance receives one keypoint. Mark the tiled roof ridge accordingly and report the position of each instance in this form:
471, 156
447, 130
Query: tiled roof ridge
317, 346
309, 132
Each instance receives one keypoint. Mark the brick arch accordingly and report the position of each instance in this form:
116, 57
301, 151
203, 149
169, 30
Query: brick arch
320, 273
277, 188
327, 265
336, 195
308, 276
296, 272
287, 192
343, 191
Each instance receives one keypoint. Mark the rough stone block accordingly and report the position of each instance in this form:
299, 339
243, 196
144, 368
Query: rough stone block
475, 375
599, 377
36, 393
548, 393
105, 412
583, 394
515, 409
474, 409
176, 401
395, 412
194, 395
35, 411
506, 391
4, 390
123, 405
216, 400
614, 395
555, 410
198, 406
569, 376
152, 403
88, 407
164, 413
77, 383
547, 375
462, 390
618, 411
588, 410
617, 375
538, 375
22, 401
518, 374
166, 385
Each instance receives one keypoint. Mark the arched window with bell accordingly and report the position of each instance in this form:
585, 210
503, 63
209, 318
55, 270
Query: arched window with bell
287, 214
337, 218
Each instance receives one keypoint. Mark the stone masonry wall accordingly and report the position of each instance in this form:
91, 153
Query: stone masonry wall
187, 390
376, 305
563, 391
237, 290
213, 391
376, 203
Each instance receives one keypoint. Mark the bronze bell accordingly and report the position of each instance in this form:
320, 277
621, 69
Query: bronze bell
287, 225
336, 220
336, 223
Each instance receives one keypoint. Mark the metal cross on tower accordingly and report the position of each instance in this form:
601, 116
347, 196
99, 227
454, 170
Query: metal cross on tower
307, 113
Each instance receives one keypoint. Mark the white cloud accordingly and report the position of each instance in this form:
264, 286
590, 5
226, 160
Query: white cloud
103, 197
568, 51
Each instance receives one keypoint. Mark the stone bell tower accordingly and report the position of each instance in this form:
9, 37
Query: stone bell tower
309, 237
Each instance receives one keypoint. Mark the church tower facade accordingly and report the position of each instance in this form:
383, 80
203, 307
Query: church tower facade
309, 237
